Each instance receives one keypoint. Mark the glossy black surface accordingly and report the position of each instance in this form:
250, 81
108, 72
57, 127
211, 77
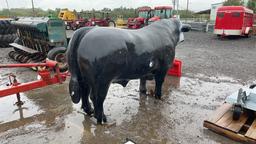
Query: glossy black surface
100, 56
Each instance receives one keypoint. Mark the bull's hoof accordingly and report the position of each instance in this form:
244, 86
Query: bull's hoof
143, 91
158, 97
109, 123
88, 111
75, 99
104, 118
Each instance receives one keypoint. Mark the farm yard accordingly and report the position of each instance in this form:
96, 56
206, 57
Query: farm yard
213, 68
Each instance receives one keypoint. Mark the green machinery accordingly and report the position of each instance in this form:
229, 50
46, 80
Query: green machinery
40, 38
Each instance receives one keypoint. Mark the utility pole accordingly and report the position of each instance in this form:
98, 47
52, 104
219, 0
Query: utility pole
9, 13
187, 6
178, 7
33, 8
174, 4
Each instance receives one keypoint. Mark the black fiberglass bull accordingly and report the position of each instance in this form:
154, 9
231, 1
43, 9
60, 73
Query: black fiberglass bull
100, 56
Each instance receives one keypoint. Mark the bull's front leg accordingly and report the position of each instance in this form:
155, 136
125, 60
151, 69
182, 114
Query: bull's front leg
159, 79
143, 88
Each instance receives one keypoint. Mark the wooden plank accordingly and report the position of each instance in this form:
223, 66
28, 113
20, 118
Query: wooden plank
225, 120
26, 49
235, 126
220, 112
232, 135
251, 133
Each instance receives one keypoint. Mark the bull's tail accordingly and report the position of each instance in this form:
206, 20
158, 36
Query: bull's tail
76, 81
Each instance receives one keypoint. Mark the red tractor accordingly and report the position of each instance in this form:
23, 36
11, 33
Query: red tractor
78, 23
145, 13
105, 20
161, 12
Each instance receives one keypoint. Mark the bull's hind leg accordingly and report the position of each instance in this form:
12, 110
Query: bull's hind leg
143, 88
159, 79
86, 106
98, 100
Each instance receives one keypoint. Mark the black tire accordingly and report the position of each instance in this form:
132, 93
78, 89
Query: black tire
5, 40
6, 27
252, 86
7, 33
59, 54
111, 23
237, 112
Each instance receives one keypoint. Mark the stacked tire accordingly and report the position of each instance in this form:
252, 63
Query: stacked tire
7, 33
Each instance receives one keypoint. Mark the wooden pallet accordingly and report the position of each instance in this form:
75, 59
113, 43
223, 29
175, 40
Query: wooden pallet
242, 130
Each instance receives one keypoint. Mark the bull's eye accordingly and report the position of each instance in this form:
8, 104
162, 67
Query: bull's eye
72, 93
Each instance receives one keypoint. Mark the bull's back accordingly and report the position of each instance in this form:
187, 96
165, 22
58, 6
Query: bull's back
103, 42
104, 50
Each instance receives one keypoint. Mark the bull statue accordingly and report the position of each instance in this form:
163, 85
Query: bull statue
99, 56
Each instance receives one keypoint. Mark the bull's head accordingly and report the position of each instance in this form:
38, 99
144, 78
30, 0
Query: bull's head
183, 28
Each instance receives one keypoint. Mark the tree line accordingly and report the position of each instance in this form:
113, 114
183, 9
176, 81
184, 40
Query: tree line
251, 3
114, 13
26, 12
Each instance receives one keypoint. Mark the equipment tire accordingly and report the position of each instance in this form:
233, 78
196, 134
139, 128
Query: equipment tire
59, 54
237, 112
111, 23
6, 39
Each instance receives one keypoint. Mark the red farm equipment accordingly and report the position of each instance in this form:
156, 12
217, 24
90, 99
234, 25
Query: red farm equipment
145, 13
233, 21
161, 12
46, 78
100, 19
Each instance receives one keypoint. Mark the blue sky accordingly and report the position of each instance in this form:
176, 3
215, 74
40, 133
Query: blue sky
195, 5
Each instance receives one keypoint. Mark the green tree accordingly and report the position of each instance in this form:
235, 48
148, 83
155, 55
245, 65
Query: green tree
233, 3
252, 5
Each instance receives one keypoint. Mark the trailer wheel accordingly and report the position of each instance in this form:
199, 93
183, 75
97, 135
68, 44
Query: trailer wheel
237, 112
252, 86
58, 54
111, 23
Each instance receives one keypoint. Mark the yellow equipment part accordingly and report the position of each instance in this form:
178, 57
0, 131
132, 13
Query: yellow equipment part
120, 22
67, 15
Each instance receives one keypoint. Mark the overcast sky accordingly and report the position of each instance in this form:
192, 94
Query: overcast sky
195, 5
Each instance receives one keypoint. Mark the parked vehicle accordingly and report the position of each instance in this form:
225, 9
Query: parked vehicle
104, 20
145, 13
233, 20
68, 16
120, 22
161, 12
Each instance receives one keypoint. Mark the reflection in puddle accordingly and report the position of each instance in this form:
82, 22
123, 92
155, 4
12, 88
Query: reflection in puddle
10, 112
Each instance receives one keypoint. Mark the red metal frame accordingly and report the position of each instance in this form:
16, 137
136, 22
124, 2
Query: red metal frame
46, 78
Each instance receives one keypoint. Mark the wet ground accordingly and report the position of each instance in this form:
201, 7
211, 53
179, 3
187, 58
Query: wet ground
212, 69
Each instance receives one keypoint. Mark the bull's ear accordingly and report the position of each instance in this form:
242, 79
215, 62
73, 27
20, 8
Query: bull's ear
185, 28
